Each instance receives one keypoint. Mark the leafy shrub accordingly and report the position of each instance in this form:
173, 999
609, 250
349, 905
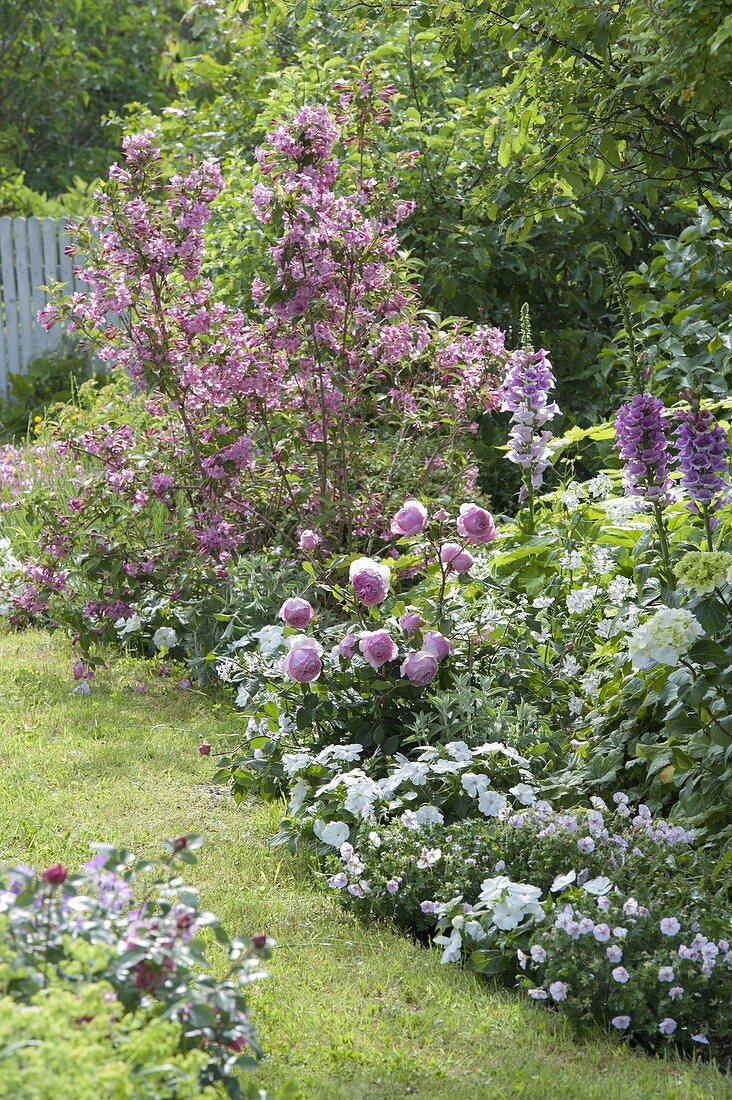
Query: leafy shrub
134, 926
49, 380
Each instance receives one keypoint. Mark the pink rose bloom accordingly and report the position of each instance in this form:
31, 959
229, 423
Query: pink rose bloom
409, 622
296, 612
370, 581
347, 646
441, 515
377, 647
437, 644
459, 560
303, 664
410, 519
475, 524
309, 540
420, 668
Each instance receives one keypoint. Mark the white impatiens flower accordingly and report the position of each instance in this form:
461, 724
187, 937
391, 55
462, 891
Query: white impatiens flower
294, 762
523, 793
334, 833
474, 784
129, 626
270, 638
165, 638
298, 796
453, 945
598, 886
429, 815
561, 882
491, 803
664, 638
509, 903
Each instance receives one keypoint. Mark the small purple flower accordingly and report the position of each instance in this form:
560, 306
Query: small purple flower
620, 975
640, 436
614, 953
558, 991
667, 1026
670, 926
666, 974
676, 992
703, 458
622, 1023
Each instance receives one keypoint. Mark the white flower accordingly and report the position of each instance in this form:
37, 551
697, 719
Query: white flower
576, 705
453, 945
558, 991
429, 815
243, 696
165, 638
474, 783
523, 793
337, 882
621, 589
561, 882
491, 803
458, 750
298, 796
294, 762
331, 832
581, 599
598, 886
509, 903
129, 626
270, 638
663, 638
362, 793
429, 857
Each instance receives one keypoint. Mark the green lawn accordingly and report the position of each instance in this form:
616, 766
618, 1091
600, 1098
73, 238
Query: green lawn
350, 1012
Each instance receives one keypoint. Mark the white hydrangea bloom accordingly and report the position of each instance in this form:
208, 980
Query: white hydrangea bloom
663, 638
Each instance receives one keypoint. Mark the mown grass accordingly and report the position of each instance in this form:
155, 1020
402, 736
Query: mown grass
350, 1012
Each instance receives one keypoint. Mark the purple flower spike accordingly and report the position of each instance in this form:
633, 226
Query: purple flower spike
526, 396
640, 436
703, 459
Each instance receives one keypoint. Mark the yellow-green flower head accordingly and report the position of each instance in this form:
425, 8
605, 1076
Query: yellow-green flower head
705, 570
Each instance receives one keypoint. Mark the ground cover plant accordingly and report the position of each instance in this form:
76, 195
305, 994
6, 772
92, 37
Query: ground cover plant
349, 1009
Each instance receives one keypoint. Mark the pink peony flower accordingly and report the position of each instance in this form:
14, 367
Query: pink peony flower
309, 540
377, 647
420, 668
370, 581
303, 664
459, 560
437, 644
475, 524
297, 612
409, 622
410, 519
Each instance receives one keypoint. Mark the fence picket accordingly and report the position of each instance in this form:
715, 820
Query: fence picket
10, 301
38, 298
31, 256
22, 278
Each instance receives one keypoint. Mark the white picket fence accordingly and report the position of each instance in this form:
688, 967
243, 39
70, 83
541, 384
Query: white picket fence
31, 256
